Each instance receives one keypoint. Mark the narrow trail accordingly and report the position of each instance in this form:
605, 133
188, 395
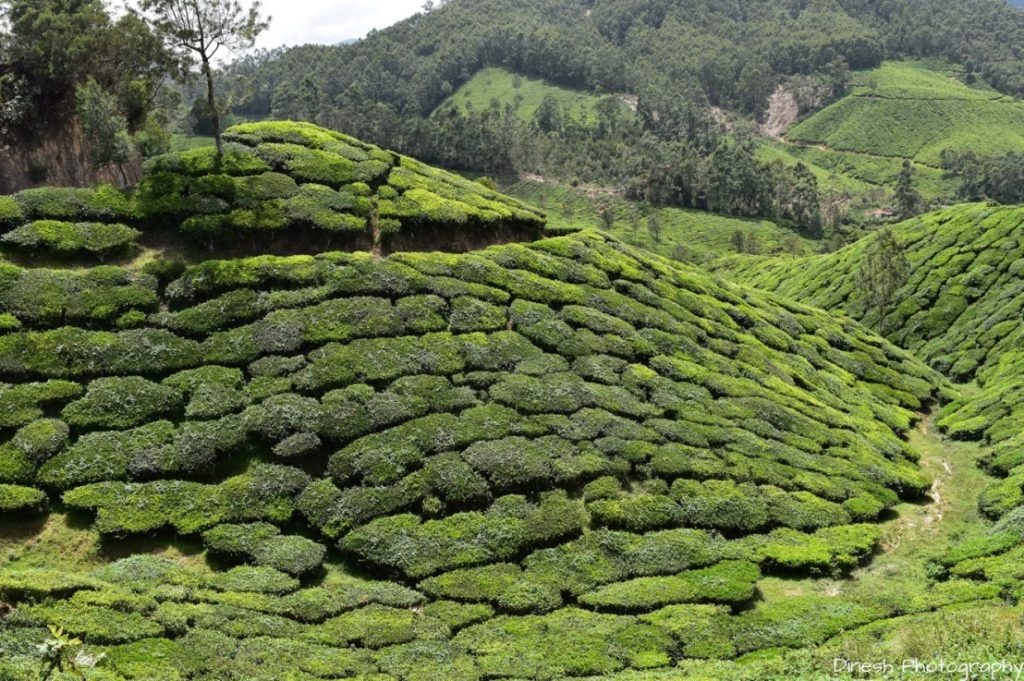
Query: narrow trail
915, 532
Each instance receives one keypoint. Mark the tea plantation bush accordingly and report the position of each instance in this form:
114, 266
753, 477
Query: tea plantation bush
294, 178
67, 238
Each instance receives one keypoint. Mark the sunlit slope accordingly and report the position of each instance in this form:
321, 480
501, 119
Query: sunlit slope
280, 184
524, 95
961, 307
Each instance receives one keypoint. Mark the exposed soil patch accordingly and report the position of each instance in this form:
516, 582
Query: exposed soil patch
783, 112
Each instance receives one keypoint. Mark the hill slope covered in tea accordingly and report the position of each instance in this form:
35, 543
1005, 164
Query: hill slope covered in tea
280, 187
563, 457
960, 311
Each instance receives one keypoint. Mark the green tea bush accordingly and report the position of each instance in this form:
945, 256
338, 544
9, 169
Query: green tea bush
74, 353
98, 296
511, 525
100, 456
94, 624
377, 626
121, 403
702, 631
237, 160
11, 213
317, 604
264, 580
722, 504
263, 493
799, 620
568, 642
212, 391
103, 203
41, 584
72, 238
18, 499
487, 583
729, 582
638, 513
265, 546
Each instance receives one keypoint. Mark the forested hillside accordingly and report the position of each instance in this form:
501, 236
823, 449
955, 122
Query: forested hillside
698, 74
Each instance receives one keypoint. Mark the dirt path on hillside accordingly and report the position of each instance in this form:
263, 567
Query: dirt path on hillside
914, 531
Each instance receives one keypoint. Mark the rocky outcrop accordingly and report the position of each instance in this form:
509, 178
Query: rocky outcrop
60, 159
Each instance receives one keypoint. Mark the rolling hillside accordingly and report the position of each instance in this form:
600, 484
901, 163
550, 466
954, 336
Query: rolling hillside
901, 110
523, 94
915, 111
562, 457
960, 310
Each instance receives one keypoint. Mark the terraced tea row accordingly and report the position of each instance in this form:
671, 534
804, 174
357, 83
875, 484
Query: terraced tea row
278, 186
590, 447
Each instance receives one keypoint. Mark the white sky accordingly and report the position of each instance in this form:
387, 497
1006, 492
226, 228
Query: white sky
297, 22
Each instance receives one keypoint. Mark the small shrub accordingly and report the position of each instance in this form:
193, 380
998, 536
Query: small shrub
121, 403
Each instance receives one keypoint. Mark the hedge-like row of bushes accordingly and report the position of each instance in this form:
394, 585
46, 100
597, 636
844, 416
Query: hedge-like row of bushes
502, 433
72, 238
264, 493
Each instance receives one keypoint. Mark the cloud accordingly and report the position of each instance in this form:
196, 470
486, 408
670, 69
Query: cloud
298, 22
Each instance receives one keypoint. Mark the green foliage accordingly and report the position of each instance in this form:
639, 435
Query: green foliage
71, 353
106, 455
98, 296
103, 125
502, 433
103, 203
264, 493
23, 403
729, 582
121, 403
17, 499
264, 545
464, 539
67, 238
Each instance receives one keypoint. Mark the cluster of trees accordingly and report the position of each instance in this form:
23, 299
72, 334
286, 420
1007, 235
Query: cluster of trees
999, 178
59, 58
72, 61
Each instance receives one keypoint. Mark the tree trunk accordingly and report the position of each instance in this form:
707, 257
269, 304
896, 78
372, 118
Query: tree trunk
211, 100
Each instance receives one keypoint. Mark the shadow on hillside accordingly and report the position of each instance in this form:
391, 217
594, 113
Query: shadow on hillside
115, 548
21, 529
